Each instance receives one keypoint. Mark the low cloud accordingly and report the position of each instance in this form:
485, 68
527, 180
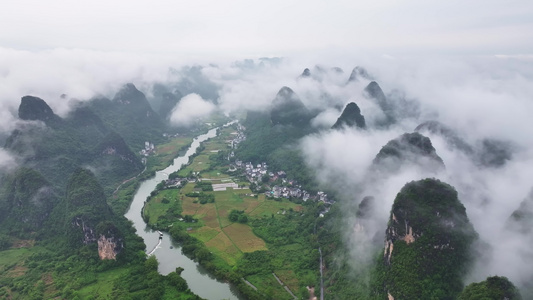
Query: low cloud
7, 161
479, 98
191, 108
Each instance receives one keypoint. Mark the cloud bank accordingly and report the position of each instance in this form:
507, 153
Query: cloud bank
191, 108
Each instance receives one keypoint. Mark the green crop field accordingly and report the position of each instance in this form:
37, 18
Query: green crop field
156, 208
166, 153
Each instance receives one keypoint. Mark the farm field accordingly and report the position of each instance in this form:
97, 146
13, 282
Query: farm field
268, 233
165, 153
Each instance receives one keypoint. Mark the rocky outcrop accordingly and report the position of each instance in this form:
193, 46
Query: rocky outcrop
108, 247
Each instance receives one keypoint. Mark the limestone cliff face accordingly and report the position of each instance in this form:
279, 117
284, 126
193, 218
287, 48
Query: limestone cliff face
89, 218
109, 247
428, 243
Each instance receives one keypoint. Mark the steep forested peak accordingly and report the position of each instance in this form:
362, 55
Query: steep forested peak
285, 94
83, 189
83, 116
129, 94
357, 73
521, 219
351, 117
452, 138
337, 70
26, 200
89, 219
428, 243
168, 102
494, 152
374, 91
306, 73
390, 109
114, 144
488, 152
409, 148
36, 109
425, 205
365, 207
494, 287
288, 109
164, 99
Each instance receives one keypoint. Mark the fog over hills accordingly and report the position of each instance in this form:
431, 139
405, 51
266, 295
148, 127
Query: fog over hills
474, 102
367, 101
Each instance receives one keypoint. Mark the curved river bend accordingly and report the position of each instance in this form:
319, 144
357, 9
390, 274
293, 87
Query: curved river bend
169, 258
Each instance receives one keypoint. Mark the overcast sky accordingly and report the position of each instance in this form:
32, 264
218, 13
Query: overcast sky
243, 28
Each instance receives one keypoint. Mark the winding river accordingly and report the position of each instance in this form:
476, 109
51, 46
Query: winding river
168, 253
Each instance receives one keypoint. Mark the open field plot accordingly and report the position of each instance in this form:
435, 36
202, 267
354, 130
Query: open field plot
223, 247
199, 163
205, 234
156, 207
289, 279
103, 287
187, 203
269, 207
208, 214
12, 261
228, 200
216, 174
165, 153
216, 144
244, 238
268, 285
216, 119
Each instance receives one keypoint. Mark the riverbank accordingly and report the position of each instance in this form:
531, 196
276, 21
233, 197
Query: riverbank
169, 253
228, 249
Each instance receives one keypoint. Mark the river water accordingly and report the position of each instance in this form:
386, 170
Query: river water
200, 283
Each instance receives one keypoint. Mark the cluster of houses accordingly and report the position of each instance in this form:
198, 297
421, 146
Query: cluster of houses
169, 135
287, 189
238, 138
149, 148
255, 174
